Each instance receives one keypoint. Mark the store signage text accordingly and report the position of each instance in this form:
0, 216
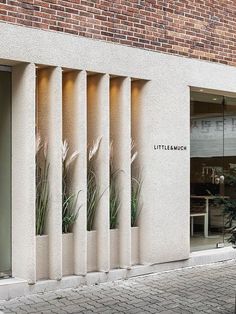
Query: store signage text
170, 147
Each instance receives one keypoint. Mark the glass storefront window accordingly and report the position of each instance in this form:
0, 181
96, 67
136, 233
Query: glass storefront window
5, 173
213, 166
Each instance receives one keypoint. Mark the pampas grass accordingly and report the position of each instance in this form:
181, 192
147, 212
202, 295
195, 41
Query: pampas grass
114, 191
93, 192
42, 185
136, 186
70, 210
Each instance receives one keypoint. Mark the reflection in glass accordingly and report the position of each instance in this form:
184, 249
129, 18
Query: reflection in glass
5, 172
213, 164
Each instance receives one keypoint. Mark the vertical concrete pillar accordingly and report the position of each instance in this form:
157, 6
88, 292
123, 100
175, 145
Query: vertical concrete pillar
75, 131
50, 128
23, 172
98, 127
120, 135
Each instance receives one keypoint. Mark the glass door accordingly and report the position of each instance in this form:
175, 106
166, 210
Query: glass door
207, 171
229, 166
5, 173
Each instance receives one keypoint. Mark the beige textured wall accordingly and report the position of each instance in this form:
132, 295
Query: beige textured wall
75, 132
23, 172
49, 124
164, 119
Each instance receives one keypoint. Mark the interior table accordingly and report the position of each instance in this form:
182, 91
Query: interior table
206, 214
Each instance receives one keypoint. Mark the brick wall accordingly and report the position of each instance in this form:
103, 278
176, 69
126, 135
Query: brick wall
203, 29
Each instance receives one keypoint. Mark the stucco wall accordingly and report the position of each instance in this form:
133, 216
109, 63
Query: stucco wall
165, 101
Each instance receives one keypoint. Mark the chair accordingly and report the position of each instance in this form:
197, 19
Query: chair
198, 211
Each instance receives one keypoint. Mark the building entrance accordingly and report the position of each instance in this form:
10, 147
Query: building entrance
213, 169
5, 172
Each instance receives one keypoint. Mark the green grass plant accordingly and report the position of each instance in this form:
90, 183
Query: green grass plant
70, 209
114, 191
136, 187
42, 186
93, 191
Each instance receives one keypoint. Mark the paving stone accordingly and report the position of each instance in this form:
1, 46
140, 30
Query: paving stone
196, 290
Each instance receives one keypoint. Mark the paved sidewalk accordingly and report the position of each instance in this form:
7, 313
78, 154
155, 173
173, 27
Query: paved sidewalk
205, 289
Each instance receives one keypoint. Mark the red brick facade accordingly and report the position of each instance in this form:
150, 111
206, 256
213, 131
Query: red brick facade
203, 29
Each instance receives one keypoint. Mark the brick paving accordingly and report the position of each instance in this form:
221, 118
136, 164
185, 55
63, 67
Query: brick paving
205, 289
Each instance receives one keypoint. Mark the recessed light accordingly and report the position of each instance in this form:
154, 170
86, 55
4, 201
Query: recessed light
214, 98
201, 90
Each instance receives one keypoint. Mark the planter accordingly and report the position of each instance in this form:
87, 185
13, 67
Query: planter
42, 258
42, 270
114, 248
92, 250
67, 254
135, 245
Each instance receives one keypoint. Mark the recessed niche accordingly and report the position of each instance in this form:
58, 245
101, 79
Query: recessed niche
69, 175
98, 168
97, 112
137, 100
42, 242
120, 142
